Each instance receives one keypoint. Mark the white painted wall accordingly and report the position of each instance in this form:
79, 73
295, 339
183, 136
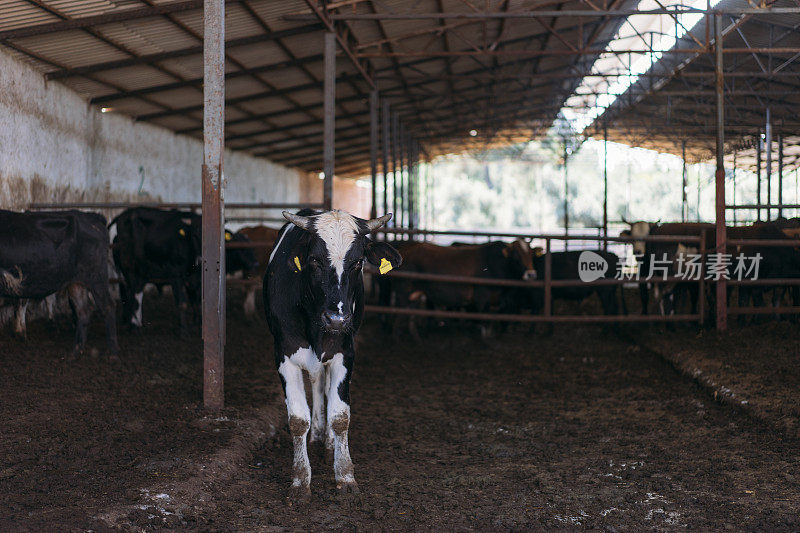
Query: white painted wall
55, 147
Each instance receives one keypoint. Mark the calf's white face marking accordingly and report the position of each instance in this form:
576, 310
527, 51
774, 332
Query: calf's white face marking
338, 231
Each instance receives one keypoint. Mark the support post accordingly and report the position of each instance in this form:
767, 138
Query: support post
684, 197
566, 197
780, 175
768, 147
605, 185
395, 148
213, 185
329, 119
373, 150
402, 156
733, 181
722, 286
548, 278
385, 146
412, 185
758, 175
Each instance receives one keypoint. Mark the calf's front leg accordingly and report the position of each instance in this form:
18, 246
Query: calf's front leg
340, 370
299, 422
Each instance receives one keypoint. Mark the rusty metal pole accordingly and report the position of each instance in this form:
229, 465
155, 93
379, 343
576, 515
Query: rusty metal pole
412, 184
385, 154
402, 158
701, 289
566, 197
395, 135
329, 119
768, 147
684, 198
373, 150
605, 185
733, 181
722, 286
780, 175
213, 243
758, 176
548, 279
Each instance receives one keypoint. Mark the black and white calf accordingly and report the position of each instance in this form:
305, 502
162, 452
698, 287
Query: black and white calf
314, 301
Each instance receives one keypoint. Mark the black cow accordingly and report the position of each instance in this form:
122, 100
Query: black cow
46, 252
239, 259
164, 247
314, 301
775, 262
564, 266
157, 246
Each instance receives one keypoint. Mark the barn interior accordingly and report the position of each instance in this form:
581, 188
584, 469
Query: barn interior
239, 109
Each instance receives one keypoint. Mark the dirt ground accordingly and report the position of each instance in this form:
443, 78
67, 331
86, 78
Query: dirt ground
579, 429
755, 366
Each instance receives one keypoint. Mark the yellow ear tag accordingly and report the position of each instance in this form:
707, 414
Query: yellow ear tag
228, 236
385, 267
182, 232
297, 263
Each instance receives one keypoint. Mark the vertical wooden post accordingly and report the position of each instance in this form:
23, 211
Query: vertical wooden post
373, 150
329, 119
722, 286
213, 186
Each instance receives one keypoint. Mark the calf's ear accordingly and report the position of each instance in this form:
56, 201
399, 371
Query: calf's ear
383, 256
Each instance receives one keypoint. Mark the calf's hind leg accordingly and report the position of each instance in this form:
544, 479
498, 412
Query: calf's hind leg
340, 369
318, 382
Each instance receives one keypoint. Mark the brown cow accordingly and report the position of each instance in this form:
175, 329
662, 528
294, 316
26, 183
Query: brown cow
258, 234
497, 260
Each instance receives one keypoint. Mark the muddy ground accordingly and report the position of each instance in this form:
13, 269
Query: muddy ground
583, 428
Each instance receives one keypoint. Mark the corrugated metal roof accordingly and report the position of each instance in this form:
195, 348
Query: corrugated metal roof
150, 68
661, 112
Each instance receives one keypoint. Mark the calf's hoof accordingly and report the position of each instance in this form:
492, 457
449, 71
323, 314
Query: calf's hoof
347, 487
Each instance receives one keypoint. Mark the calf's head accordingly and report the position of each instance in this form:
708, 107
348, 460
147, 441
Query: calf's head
331, 260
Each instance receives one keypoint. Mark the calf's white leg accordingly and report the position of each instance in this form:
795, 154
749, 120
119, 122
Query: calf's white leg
299, 422
318, 382
339, 422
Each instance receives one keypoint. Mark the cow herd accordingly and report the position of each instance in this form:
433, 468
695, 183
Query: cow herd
66, 252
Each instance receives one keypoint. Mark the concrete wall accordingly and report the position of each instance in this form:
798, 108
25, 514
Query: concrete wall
55, 147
